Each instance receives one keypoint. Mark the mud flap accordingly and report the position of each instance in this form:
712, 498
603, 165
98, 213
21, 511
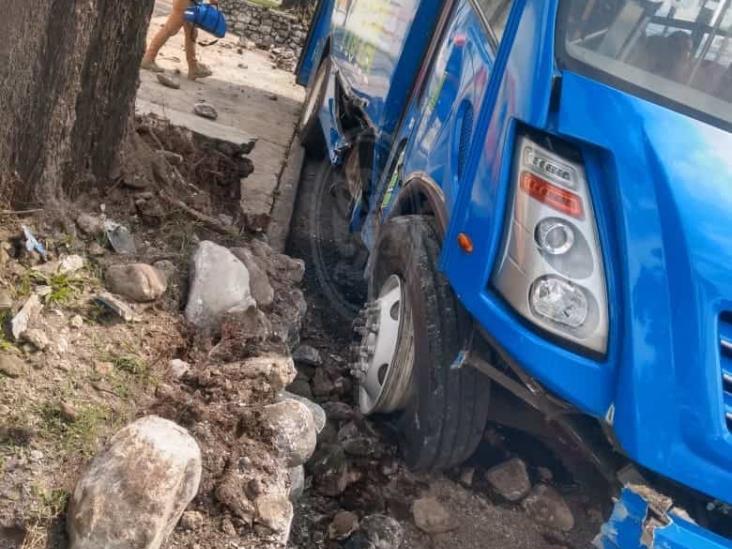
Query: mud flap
644, 519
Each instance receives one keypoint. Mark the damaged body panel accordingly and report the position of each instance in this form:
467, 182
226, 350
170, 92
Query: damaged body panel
643, 519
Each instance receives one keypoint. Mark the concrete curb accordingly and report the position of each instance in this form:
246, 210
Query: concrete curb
285, 196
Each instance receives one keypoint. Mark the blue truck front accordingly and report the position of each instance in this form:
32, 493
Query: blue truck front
595, 189
650, 145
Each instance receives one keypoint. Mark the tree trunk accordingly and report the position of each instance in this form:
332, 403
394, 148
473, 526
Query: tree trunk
68, 78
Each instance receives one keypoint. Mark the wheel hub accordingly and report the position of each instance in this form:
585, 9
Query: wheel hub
385, 355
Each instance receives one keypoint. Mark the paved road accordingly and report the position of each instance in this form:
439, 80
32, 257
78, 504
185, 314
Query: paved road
250, 95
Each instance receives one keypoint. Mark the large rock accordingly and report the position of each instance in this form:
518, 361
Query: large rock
275, 511
382, 532
262, 291
137, 281
280, 267
134, 493
431, 517
315, 409
344, 524
510, 479
219, 284
89, 224
330, 470
296, 477
547, 506
278, 371
292, 429
11, 365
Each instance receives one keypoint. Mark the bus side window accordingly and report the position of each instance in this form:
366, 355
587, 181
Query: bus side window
496, 13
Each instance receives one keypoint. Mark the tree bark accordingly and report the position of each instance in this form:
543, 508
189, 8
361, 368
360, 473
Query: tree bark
68, 78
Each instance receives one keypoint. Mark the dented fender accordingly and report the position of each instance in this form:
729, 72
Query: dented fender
644, 519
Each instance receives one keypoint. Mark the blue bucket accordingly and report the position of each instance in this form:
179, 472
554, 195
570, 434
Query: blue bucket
207, 17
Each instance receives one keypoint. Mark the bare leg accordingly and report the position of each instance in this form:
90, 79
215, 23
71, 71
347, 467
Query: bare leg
175, 21
195, 68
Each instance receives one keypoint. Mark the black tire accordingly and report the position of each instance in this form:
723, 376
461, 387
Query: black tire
335, 258
311, 134
446, 415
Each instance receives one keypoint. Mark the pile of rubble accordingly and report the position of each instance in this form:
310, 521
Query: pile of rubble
234, 419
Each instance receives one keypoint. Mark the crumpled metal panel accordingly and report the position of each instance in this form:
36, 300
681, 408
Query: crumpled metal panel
635, 524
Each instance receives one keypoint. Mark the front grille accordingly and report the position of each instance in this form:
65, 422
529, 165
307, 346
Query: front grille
466, 132
725, 359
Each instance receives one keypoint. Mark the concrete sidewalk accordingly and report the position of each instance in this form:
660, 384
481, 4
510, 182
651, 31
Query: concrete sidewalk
252, 97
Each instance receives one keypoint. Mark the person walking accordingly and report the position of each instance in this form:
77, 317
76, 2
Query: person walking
175, 21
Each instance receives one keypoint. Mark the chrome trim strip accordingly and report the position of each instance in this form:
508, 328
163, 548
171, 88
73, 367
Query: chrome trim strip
726, 344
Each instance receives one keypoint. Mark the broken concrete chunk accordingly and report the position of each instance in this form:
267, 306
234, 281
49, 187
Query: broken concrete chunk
344, 524
382, 531
20, 321
6, 300
90, 225
191, 520
262, 291
77, 321
205, 111
37, 338
134, 493
179, 368
138, 281
11, 365
280, 267
278, 371
546, 506
305, 354
296, 476
169, 81
431, 517
293, 430
275, 511
330, 470
510, 480
219, 284
95, 249
116, 306
71, 264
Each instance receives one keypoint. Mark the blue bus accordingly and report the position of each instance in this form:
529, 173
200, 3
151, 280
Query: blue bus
544, 192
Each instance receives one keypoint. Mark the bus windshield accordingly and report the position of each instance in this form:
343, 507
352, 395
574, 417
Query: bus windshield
676, 52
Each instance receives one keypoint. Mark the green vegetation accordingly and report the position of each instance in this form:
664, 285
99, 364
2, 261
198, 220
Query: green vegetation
51, 503
64, 287
79, 434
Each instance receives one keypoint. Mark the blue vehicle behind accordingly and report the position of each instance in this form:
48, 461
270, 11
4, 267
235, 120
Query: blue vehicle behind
544, 192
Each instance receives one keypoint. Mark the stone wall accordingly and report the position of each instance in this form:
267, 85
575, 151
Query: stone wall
282, 33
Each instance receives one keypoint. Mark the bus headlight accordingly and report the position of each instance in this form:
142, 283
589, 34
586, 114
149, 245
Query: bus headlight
551, 270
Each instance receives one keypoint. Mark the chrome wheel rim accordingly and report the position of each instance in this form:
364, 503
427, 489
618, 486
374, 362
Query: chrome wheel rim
386, 352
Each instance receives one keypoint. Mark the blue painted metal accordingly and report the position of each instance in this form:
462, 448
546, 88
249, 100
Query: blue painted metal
625, 529
660, 183
315, 43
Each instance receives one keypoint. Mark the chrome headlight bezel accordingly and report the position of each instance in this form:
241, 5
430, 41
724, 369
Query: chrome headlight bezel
549, 188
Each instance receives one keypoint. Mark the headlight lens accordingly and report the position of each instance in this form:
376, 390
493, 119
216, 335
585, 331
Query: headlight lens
551, 270
554, 236
560, 301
